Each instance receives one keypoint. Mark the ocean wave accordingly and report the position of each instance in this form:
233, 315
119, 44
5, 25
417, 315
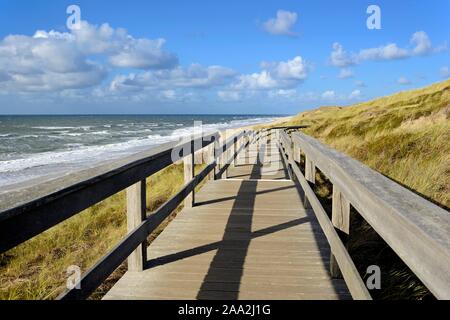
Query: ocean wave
74, 155
53, 128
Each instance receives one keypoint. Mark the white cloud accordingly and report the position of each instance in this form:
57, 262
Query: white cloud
329, 95
360, 83
49, 61
295, 69
403, 81
193, 76
283, 74
345, 74
422, 42
168, 94
355, 94
229, 95
422, 45
444, 72
387, 52
144, 54
282, 24
283, 93
46, 64
339, 57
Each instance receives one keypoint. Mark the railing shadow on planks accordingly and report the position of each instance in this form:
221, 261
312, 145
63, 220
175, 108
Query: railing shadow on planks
28, 213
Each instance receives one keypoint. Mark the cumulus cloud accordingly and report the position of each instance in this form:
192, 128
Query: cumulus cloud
388, 52
355, 94
345, 74
283, 93
340, 58
51, 60
122, 49
282, 24
360, 83
283, 74
420, 41
229, 95
329, 95
193, 76
403, 81
444, 72
144, 54
46, 64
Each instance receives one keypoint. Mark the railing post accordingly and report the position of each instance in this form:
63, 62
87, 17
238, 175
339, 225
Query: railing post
310, 175
210, 159
215, 153
189, 167
296, 153
136, 213
340, 217
224, 158
235, 149
245, 143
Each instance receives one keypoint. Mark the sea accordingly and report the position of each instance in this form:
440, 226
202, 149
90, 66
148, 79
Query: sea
37, 147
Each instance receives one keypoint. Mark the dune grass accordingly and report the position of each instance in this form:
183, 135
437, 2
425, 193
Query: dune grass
405, 137
37, 268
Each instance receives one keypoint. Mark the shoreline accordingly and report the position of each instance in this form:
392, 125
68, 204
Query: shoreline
50, 177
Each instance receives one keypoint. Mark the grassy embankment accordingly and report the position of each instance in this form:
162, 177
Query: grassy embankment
405, 137
37, 268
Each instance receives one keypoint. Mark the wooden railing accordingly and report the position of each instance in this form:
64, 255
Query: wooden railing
29, 212
416, 229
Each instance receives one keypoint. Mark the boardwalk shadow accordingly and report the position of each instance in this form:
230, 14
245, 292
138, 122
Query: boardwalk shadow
222, 266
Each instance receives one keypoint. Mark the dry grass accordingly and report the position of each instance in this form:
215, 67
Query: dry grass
37, 268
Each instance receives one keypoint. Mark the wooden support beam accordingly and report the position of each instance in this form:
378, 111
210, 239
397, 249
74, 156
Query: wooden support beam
235, 149
341, 221
136, 213
189, 167
216, 151
310, 175
209, 159
224, 158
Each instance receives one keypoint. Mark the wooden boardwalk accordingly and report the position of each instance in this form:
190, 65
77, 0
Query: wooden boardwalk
247, 237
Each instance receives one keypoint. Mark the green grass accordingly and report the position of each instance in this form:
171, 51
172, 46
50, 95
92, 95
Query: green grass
37, 268
405, 137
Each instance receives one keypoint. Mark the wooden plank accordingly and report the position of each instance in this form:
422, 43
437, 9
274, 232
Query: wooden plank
340, 218
136, 214
189, 167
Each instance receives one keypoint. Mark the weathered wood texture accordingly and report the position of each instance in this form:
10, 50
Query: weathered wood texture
246, 238
416, 229
136, 214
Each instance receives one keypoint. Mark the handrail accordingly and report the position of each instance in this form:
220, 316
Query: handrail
416, 229
348, 269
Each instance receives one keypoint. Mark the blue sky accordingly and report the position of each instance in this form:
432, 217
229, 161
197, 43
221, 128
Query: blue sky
259, 57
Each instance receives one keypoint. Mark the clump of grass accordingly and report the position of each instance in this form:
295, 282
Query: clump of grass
37, 268
405, 137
